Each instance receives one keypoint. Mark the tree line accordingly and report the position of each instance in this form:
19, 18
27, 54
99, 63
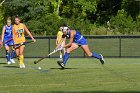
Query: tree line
90, 17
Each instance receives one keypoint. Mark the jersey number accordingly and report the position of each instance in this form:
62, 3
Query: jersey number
19, 35
20, 31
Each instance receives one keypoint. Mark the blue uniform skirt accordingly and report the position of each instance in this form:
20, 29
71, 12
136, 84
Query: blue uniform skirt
81, 41
9, 43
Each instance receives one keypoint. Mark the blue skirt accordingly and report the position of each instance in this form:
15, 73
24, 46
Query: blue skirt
80, 42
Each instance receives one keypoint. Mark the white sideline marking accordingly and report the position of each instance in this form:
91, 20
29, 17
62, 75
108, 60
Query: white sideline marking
30, 85
19, 86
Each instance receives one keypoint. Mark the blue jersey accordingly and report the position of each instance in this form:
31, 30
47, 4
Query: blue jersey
8, 35
8, 32
78, 38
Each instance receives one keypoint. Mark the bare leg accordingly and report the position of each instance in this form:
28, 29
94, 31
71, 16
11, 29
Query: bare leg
89, 53
17, 52
66, 56
13, 53
94, 54
72, 48
21, 50
86, 50
61, 53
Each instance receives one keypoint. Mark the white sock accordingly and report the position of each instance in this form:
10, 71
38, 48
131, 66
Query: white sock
60, 56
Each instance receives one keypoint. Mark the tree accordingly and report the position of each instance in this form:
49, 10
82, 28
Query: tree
1, 14
123, 23
132, 7
44, 17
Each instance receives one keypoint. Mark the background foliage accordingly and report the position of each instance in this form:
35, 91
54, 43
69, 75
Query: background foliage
90, 17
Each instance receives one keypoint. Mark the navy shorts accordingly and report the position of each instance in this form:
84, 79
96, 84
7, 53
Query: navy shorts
16, 45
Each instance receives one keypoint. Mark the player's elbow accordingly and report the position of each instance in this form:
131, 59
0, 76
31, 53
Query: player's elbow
70, 44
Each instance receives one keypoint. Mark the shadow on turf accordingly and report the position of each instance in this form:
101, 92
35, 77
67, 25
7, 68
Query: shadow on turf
63, 68
3, 63
11, 66
97, 92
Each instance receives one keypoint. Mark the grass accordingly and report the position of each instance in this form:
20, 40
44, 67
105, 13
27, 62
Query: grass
80, 76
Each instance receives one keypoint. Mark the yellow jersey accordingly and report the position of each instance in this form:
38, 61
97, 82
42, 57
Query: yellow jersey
18, 33
59, 36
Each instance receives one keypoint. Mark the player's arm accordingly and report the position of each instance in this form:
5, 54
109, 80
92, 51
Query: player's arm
62, 40
0, 42
2, 36
28, 32
70, 41
56, 42
13, 32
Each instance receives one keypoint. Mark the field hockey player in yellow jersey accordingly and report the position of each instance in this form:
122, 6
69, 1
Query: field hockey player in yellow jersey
58, 39
19, 30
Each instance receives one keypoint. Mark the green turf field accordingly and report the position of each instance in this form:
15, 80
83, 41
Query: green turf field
80, 76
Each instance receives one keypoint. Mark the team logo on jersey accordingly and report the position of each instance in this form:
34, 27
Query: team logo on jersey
20, 31
8, 30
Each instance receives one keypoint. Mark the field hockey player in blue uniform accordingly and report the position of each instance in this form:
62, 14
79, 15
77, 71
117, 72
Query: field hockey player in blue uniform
8, 41
75, 40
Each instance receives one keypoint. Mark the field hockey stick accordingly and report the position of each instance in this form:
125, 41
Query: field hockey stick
22, 44
5, 42
39, 60
2, 2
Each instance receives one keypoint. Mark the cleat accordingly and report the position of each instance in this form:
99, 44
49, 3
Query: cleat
12, 61
9, 63
22, 65
61, 64
102, 59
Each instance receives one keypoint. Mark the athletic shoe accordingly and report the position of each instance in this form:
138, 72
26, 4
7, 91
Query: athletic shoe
102, 59
12, 61
61, 64
8, 62
22, 65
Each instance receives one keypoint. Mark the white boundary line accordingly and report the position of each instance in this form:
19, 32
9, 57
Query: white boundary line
19, 86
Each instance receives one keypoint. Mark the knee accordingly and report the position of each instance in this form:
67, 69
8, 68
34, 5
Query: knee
20, 53
7, 49
68, 51
89, 54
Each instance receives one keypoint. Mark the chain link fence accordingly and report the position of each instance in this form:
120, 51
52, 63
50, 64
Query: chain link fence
109, 46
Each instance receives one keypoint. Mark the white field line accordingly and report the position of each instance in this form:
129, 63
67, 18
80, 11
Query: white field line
19, 86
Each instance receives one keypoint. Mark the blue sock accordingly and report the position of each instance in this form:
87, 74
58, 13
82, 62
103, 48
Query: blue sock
66, 57
12, 54
94, 54
8, 56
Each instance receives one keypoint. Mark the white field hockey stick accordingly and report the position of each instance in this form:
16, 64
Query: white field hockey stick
39, 60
